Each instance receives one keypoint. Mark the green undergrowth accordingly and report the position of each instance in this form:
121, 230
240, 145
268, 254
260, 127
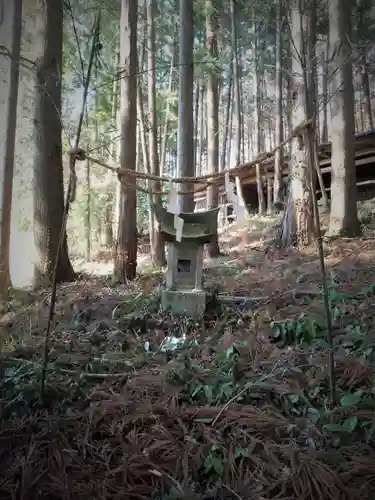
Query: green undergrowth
223, 364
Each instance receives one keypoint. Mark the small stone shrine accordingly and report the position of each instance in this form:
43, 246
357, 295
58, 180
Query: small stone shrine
184, 294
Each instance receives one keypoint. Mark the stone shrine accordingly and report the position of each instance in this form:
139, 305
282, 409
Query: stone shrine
184, 294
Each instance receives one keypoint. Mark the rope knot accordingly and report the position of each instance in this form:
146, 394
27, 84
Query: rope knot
77, 153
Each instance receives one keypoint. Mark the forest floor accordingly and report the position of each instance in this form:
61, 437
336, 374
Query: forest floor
142, 406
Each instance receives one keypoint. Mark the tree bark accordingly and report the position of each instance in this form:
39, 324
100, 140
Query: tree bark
226, 122
202, 129
125, 261
343, 217
196, 125
279, 156
258, 114
325, 85
164, 140
236, 80
185, 140
10, 27
212, 101
364, 8
48, 167
88, 210
107, 231
157, 250
366, 92
289, 88
300, 217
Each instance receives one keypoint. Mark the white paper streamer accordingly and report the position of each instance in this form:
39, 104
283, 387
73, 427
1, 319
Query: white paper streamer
179, 226
173, 206
229, 188
238, 204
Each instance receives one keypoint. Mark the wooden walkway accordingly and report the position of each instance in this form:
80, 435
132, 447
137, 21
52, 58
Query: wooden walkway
364, 159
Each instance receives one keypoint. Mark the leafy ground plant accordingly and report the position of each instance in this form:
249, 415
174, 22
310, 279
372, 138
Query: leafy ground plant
237, 408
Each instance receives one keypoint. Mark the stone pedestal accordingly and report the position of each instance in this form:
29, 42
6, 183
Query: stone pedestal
184, 266
190, 303
184, 294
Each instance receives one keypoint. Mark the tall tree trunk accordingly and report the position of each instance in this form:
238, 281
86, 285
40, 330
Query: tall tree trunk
325, 63
242, 123
212, 100
299, 210
199, 112
364, 8
202, 130
258, 119
361, 119
279, 156
146, 157
185, 141
10, 35
157, 251
343, 218
48, 167
230, 135
168, 106
366, 92
310, 61
88, 211
109, 228
289, 88
196, 125
125, 261
146, 160
236, 80
115, 148
237, 97
226, 122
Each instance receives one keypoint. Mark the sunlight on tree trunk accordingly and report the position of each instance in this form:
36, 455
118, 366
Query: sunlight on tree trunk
10, 37
125, 261
48, 167
343, 218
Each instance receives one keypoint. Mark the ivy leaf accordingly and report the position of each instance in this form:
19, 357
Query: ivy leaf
293, 398
333, 428
217, 465
208, 393
350, 400
313, 415
350, 423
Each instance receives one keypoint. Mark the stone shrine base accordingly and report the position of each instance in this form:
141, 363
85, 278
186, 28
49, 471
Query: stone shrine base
190, 303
